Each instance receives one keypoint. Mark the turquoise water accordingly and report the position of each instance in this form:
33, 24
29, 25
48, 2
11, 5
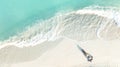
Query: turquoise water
15, 15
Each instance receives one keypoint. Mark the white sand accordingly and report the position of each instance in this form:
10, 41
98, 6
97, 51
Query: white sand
62, 54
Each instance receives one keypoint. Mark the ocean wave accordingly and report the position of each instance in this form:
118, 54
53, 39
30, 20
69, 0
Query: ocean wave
85, 24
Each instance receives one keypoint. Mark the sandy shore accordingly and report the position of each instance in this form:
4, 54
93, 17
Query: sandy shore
62, 53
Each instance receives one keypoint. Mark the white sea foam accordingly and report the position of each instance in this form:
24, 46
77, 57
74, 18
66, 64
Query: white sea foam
85, 24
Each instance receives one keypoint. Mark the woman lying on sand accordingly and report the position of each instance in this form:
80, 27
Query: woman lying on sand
87, 55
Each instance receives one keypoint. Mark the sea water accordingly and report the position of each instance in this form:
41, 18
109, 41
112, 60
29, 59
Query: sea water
27, 22
16, 15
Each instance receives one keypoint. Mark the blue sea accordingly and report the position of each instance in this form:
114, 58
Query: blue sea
39, 20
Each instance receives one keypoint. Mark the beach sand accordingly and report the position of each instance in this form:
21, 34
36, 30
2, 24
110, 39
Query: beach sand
62, 53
